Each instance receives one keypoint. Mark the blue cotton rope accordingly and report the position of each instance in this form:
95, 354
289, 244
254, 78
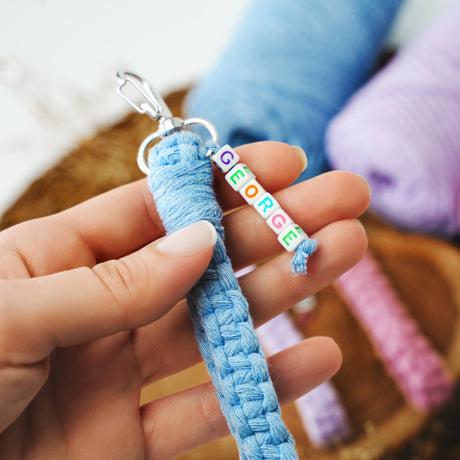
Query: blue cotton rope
289, 68
304, 250
181, 182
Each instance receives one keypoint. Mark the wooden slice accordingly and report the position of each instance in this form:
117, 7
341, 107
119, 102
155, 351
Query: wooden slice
424, 271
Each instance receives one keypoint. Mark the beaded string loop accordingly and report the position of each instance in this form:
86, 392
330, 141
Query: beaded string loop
242, 180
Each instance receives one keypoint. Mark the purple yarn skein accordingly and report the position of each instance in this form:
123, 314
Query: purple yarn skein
402, 132
321, 411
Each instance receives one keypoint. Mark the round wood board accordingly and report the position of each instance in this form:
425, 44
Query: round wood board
424, 271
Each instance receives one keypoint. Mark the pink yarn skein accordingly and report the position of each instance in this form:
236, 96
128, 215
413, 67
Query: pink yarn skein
402, 132
418, 370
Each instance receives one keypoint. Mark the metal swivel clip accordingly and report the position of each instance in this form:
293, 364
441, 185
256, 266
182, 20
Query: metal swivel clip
146, 100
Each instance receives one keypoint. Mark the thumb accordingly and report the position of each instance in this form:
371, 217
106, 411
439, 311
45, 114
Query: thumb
80, 305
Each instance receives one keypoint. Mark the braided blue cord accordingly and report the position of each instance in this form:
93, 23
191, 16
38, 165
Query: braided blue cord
181, 182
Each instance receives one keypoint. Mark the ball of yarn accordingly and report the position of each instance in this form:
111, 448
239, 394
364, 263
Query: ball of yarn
402, 132
289, 68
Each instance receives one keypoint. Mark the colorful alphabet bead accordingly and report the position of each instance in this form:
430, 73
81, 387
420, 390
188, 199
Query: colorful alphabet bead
278, 221
251, 191
239, 175
291, 237
243, 180
225, 158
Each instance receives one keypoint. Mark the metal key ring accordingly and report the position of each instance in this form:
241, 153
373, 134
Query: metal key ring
141, 157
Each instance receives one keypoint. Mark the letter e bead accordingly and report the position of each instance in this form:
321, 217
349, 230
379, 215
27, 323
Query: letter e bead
278, 221
225, 158
291, 237
238, 176
251, 191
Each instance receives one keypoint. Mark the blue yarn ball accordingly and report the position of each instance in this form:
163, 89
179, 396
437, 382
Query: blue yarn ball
289, 68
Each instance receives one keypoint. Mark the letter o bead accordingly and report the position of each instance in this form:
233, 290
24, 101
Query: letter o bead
278, 221
251, 191
291, 237
225, 158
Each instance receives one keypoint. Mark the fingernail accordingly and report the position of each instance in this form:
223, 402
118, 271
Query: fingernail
189, 240
360, 223
367, 183
302, 156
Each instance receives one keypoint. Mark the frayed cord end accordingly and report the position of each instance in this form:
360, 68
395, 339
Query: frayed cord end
211, 146
304, 250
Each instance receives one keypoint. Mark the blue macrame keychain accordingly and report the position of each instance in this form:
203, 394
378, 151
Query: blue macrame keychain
180, 176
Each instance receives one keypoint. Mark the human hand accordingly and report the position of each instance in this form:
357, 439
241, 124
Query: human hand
91, 311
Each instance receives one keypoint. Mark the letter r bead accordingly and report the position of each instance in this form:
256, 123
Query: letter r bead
266, 205
291, 237
225, 158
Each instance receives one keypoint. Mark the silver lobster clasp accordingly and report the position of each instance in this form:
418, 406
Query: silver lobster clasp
146, 100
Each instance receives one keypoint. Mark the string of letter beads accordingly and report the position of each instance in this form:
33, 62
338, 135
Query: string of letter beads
243, 180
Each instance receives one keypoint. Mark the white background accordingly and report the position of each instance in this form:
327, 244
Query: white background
58, 61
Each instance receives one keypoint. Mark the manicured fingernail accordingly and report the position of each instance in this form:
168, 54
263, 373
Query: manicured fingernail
189, 240
302, 156
365, 181
360, 223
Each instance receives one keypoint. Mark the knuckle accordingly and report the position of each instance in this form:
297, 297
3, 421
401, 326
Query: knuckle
119, 279
211, 414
